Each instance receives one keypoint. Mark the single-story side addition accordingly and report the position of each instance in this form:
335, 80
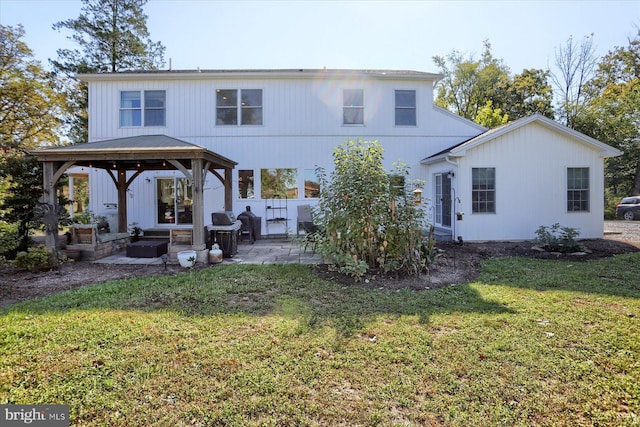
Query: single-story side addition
508, 181
263, 133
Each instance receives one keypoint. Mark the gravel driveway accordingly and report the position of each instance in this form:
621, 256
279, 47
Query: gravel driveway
622, 230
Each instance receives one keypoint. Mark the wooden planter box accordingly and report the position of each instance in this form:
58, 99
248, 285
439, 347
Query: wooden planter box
83, 234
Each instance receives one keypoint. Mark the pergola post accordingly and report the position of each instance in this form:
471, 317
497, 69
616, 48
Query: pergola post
122, 201
228, 190
198, 209
50, 198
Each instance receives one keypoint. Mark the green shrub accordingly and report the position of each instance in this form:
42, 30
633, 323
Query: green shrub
8, 237
367, 217
35, 259
557, 238
610, 203
85, 217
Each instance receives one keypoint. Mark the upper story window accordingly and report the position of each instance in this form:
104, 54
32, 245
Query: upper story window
353, 107
578, 189
483, 190
138, 107
279, 183
235, 107
406, 108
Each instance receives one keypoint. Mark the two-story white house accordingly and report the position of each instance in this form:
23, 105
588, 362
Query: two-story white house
277, 126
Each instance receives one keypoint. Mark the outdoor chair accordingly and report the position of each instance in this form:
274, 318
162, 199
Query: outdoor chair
305, 220
305, 223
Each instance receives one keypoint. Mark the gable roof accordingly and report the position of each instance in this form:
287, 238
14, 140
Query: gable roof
131, 151
461, 148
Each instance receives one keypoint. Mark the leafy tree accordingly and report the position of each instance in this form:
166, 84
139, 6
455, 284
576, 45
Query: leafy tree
468, 84
23, 175
527, 93
491, 117
575, 62
29, 103
29, 107
484, 91
367, 222
612, 114
112, 36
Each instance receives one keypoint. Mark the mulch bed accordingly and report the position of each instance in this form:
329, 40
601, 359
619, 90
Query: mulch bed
459, 264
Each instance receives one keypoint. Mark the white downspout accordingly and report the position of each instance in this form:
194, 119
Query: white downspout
451, 162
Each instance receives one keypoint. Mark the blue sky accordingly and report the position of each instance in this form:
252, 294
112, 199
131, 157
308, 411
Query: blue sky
348, 34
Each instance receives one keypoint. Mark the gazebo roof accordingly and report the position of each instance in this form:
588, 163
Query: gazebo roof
144, 152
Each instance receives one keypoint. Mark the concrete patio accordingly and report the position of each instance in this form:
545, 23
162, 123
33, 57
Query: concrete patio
264, 251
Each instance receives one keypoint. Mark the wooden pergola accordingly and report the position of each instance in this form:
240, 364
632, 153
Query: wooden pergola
138, 154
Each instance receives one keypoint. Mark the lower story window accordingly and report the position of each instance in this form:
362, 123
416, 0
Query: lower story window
578, 189
174, 200
483, 190
279, 183
311, 184
245, 184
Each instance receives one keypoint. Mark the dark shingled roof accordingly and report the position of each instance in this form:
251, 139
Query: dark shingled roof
135, 152
138, 143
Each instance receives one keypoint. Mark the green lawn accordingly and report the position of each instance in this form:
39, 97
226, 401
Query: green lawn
532, 343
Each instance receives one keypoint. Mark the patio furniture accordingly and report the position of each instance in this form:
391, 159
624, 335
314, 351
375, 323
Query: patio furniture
305, 220
251, 225
147, 248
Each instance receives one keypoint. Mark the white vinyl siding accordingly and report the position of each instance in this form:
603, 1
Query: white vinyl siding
531, 166
302, 125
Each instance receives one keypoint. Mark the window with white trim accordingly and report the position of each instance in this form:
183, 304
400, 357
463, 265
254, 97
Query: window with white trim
405, 107
142, 108
239, 106
483, 190
578, 189
353, 107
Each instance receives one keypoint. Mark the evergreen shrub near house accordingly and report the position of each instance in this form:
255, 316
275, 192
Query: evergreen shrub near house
367, 218
8, 238
35, 259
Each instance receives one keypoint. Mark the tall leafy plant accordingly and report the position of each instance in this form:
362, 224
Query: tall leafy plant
367, 219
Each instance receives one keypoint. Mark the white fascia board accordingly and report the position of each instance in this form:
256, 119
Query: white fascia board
259, 74
605, 150
441, 158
